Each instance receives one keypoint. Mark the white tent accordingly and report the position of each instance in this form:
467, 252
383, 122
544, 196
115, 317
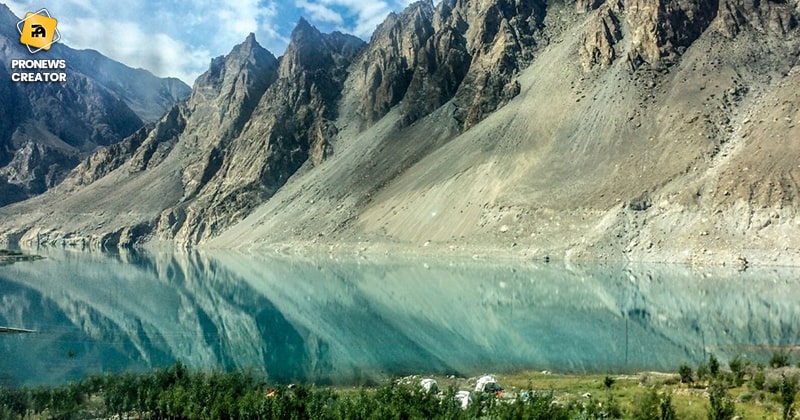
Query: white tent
487, 383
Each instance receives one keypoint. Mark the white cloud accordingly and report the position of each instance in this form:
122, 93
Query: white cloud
133, 45
179, 37
358, 17
319, 13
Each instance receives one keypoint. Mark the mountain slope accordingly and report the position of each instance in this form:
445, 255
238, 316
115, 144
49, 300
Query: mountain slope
604, 129
49, 127
619, 153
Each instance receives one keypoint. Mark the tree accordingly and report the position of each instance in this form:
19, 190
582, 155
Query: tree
737, 367
713, 365
686, 374
721, 406
779, 359
667, 411
788, 392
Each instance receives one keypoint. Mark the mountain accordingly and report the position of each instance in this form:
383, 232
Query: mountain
48, 128
650, 130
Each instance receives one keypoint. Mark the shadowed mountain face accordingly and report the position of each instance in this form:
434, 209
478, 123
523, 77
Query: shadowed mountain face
650, 130
347, 322
47, 128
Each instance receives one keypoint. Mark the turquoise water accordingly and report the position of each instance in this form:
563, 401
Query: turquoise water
355, 321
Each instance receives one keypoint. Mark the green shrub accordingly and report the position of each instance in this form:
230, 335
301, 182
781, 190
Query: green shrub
667, 411
713, 365
686, 374
721, 405
608, 409
774, 382
703, 372
759, 379
652, 406
788, 392
779, 359
738, 369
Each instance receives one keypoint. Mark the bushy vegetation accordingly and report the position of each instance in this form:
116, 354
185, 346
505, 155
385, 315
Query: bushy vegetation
686, 374
654, 406
722, 406
788, 393
178, 393
779, 359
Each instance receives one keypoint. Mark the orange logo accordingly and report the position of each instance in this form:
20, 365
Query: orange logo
38, 31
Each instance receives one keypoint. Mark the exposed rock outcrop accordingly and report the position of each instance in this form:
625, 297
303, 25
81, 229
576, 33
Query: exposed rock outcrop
144, 149
390, 59
769, 16
661, 31
598, 47
464, 51
288, 122
583, 6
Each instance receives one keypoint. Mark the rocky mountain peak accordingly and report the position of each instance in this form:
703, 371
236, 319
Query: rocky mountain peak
392, 55
247, 57
306, 50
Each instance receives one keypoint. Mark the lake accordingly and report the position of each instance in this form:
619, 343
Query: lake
354, 321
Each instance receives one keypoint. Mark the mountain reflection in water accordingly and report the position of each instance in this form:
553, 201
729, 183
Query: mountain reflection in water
358, 321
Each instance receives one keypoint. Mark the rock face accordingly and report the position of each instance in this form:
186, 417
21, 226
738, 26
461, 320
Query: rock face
48, 128
625, 128
466, 51
662, 30
389, 62
284, 118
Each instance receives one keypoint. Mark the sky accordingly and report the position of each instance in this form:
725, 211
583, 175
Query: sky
179, 38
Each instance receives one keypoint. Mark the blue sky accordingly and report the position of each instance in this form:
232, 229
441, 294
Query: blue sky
179, 38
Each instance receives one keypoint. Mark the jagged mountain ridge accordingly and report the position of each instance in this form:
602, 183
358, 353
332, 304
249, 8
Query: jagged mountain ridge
620, 117
48, 128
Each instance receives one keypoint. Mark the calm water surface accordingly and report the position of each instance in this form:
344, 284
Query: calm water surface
301, 319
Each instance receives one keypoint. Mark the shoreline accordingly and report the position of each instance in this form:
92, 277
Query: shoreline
381, 249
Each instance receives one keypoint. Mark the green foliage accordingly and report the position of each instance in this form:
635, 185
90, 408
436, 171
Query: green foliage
652, 406
779, 359
667, 411
646, 407
537, 406
594, 409
685, 372
788, 392
703, 372
721, 406
178, 393
759, 379
738, 369
713, 365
